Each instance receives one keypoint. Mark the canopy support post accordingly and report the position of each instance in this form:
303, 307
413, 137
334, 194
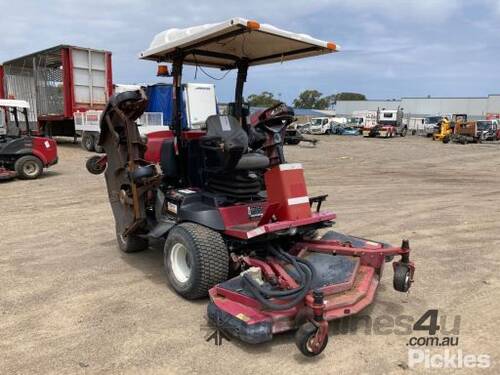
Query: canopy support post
238, 93
177, 115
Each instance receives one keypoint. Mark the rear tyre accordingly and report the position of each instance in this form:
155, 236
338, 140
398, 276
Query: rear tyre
28, 167
196, 259
88, 141
303, 338
446, 139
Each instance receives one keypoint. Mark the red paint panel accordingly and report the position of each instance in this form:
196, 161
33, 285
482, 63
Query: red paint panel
2, 92
193, 134
45, 149
251, 230
109, 74
68, 89
282, 187
155, 140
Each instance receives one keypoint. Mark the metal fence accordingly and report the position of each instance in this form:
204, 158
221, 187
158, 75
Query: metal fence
37, 79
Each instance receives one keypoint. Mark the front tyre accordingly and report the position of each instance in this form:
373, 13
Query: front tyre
402, 278
28, 167
196, 259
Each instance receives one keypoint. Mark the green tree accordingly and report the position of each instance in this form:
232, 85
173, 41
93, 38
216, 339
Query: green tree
264, 99
349, 96
313, 99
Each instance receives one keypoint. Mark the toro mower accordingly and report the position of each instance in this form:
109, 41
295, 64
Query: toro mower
237, 220
22, 154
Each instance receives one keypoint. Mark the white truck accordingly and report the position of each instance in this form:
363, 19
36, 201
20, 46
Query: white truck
199, 103
389, 124
324, 125
425, 126
361, 119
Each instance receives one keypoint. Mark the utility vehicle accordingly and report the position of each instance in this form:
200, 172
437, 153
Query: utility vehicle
21, 153
237, 220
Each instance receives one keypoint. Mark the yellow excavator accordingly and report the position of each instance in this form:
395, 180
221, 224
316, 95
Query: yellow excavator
446, 127
444, 131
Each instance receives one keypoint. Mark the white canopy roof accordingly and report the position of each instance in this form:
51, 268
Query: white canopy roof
221, 44
14, 103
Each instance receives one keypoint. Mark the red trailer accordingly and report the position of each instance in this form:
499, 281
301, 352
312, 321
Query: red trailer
59, 82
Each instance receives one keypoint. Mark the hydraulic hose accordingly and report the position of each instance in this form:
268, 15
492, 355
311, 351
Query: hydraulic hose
293, 297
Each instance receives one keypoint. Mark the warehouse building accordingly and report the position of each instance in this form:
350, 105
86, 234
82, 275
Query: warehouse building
475, 108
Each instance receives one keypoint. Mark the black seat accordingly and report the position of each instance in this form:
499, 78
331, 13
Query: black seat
226, 146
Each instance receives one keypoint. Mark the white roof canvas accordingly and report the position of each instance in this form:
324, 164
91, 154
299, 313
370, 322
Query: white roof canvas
221, 44
14, 103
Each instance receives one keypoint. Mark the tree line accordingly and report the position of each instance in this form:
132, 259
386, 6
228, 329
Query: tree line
306, 99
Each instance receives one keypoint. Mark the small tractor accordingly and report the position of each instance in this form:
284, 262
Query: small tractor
22, 154
236, 219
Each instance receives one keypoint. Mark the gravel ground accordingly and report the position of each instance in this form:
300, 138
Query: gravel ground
70, 302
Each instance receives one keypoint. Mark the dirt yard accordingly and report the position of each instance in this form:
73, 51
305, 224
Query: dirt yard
70, 302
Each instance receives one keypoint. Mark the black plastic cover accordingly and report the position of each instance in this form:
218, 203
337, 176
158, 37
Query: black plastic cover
251, 333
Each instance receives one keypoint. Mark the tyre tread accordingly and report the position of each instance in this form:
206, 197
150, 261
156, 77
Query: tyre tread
213, 258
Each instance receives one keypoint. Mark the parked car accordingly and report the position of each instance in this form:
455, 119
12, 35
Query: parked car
349, 130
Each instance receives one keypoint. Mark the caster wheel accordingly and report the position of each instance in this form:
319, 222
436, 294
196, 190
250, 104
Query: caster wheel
402, 278
93, 166
304, 338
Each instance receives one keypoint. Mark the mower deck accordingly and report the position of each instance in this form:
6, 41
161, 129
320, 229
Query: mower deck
348, 271
6, 174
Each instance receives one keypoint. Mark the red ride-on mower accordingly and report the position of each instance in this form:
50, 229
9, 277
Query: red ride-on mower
22, 155
237, 220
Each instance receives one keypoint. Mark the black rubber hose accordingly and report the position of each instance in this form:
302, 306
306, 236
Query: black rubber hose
305, 271
288, 292
254, 289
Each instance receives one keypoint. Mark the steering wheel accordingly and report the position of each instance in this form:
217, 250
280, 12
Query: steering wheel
273, 121
275, 118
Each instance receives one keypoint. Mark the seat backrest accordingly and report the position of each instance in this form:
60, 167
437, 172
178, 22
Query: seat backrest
168, 162
229, 130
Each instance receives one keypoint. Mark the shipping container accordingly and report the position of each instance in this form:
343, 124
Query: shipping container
59, 82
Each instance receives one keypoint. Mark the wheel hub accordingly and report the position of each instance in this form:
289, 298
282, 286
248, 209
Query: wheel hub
30, 168
181, 263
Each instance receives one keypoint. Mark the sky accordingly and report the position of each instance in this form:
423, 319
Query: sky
390, 48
